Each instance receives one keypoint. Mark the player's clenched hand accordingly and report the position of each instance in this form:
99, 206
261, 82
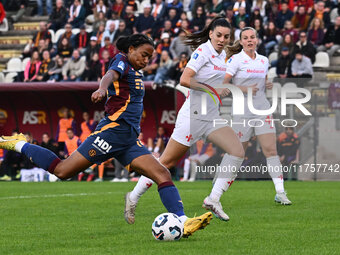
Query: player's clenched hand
269, 85
98, 95
223, 92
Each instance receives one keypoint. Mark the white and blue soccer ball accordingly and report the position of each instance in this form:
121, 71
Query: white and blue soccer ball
167, 227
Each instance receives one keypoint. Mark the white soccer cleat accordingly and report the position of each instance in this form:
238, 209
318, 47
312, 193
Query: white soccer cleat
216, 208
130, 209
282, 198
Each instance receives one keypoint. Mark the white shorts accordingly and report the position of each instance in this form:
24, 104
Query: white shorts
245, 128
188, 131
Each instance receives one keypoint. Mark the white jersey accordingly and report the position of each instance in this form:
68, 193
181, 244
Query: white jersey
247, 72
210, 68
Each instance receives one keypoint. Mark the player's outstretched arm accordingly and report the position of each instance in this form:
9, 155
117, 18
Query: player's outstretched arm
105, 82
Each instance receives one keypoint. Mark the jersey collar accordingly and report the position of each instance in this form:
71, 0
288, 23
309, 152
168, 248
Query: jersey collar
246, 56
213, 51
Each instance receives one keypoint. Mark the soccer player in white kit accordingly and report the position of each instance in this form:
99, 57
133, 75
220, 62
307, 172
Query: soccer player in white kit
247, 69
207, 65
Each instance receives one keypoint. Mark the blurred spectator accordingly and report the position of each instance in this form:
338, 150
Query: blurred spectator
164, 44
144, 22
150, 70
289, 29
55, 72
307, 4
302, 68
109, 34
121, 173
19, 7
121, 31
176, 71
287, 42
205, 4
99, 8
315, 32
237, 32
112, 18
270, 35
129, 18
118, 7
198, 21
320, 13
65, 49
81, 40
271, 10
288, 145
305, 46
164, 65
331, 40
239, 4
109, 47
98, 21
166, 28
66, 122
46, 65
92, 48
72, 142
48, 7
177, 5
3, 20
159, 143
173, 16
254, 16
216, 8
199, 153
177, 46
93, 69
58, 17
67, 34
49, 143
43, 45
179, 25
301, 19
259, 4
259, 28
42, 34
283, 66
87, 126
241, 16
158, 10
32, 67
283, 15
99, 34
77, 14
104, 62
74, 67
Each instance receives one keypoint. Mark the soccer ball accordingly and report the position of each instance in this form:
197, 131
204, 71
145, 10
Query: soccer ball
167, 227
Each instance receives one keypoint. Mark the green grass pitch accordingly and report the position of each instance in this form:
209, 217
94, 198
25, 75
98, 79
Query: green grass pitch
87, 218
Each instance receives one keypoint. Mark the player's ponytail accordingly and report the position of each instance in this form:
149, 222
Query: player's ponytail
237, 47
124, 42
196, 39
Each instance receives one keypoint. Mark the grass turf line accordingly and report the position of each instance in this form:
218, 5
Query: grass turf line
87, 218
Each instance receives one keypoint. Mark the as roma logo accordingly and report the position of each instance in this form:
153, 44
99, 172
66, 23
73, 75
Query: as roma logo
92, 152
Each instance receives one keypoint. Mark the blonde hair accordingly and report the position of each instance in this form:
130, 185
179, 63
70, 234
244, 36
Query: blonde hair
237, 47
312, 23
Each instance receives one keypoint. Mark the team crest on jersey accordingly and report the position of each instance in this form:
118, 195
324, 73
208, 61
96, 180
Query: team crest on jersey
92, 153
195, 56
199, 49
262, 61
121, 65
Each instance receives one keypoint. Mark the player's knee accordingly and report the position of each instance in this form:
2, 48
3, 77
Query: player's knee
270, 152
60, 172
163, 176
237, 152
168, 163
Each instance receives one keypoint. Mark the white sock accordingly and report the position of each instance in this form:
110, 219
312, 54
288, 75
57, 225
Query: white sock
156, 149
143, 184
149, 148
186, 169
225, 176
275, 171
19, 146
183, 218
